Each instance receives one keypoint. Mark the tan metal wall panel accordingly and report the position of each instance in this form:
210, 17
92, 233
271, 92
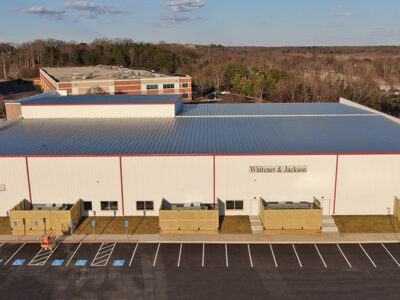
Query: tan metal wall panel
235, 182
14, 176
176, 179
98, 111
367, 184
68, 179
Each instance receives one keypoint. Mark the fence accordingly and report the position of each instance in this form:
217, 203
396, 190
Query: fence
188, 219
57, 220
291, 219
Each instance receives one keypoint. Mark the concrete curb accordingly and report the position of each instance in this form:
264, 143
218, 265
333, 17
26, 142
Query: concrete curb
324, 238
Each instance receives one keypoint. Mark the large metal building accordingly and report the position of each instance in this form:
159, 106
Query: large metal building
124, 155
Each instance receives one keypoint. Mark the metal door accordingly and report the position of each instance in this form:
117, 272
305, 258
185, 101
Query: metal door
326, 206
254, 207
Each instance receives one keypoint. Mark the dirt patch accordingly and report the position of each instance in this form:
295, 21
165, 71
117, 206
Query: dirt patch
5, 225
367, 224
116, 225
235, 224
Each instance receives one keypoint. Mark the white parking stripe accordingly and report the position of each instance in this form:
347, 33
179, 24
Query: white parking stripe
133, 254
1, 245
251, 260
14, 254
273, 255
226, 256
202, 259
370, 259
42, 256
73, 254
179, 257
340, 249
298, 258
390, 255
319, 253
155, 258
103, 254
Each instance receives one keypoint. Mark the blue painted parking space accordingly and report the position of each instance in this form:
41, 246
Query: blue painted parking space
57, 262
18, 262
81, 262
119, 263
1, 260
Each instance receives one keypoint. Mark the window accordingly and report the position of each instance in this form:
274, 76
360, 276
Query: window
144, 205
185, 85
87, 205
185, 96
168, 86
234, 205
152, 86
109, 205
2, 187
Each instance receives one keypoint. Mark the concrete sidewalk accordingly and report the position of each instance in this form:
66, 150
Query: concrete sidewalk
219, 238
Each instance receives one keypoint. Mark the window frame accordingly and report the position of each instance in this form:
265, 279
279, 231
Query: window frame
235, 204
151, 86
185, 85
168, 86
109, 206
145, 205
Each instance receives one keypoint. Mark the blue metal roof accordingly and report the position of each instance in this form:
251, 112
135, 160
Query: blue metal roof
270, 109
103, 99
205, 135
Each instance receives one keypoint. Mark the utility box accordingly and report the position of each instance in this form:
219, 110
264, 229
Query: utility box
41, 218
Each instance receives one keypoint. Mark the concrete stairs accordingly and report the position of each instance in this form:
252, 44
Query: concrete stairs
328, 224
256, 225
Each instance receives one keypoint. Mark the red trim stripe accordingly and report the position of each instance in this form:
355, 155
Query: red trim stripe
214, 177
183, 155
92, 104
29, 179
122, 186
336, 176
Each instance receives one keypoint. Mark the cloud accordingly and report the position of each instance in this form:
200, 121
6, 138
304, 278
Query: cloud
110, 22
346, 13
177, 19
76, 8
339, 6
92, 10
185, 5
44, 12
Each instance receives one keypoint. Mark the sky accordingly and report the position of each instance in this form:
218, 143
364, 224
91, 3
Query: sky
226, 22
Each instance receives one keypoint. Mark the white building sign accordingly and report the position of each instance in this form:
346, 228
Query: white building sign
278, 169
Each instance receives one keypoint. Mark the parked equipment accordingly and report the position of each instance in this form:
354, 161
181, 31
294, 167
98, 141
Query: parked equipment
48, 241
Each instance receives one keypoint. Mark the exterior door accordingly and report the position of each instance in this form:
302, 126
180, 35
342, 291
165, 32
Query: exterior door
326, 207
254, 207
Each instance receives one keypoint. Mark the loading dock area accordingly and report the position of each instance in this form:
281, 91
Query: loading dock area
37, 219
291, 216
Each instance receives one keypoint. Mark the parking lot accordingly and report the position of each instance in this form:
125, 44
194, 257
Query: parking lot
151, 270
170, 255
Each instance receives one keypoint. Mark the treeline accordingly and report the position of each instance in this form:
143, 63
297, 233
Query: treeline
25, 60
368, 75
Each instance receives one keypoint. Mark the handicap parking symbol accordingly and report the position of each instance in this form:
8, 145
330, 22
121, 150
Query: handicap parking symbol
57, 262
18, 262
81, 262
119, 263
